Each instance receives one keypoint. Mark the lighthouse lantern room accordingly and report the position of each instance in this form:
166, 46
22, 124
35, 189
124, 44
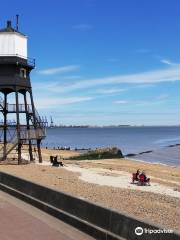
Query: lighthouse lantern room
12, 42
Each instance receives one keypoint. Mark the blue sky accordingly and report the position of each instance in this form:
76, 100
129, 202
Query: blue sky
103, 62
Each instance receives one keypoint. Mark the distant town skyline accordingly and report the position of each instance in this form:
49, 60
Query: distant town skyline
102, 62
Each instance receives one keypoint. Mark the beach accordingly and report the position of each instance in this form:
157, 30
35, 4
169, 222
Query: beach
108, 183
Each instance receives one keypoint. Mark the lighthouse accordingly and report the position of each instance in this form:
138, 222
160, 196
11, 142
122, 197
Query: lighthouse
16, 97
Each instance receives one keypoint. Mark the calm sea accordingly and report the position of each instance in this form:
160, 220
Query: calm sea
128, 139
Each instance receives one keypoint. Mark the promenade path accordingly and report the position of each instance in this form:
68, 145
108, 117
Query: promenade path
19, 220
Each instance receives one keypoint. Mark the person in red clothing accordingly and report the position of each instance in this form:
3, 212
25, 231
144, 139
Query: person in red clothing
144, 178
135, 176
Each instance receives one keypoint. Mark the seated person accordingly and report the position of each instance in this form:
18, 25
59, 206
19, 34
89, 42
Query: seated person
144, 177
51, 159
60, 162
56, 161
136, 176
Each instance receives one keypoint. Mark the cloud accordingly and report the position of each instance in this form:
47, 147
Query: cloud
158, 100
121, 102
83, 26
63, 69
111, 90
155, 76
145, 86
167, 62
135, 102
49, 102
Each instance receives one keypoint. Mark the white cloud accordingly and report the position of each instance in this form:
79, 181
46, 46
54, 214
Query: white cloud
167, 62
149, 77
63, 69
121, 102
49, 102
157, 100
145, 86
111, 90
83, 26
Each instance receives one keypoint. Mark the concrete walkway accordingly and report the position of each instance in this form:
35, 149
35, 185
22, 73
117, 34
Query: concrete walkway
22, 221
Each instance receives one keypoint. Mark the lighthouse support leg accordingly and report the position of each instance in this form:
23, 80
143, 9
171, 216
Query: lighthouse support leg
35, 126
5, 126
39, 150
18, 129
28, 126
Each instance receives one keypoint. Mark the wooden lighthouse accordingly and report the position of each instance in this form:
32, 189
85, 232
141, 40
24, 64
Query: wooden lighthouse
17, 99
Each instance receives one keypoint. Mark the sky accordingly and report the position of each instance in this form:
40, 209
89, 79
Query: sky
103, 62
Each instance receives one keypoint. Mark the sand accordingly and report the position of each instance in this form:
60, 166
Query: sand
120, 179
47, 152
108, 182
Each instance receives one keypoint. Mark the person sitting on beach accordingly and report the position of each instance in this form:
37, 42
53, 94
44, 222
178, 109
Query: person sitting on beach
60, 161
144, 178
52, 159
135, 176
55, 162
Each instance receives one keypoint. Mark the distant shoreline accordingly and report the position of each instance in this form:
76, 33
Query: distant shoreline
119, 126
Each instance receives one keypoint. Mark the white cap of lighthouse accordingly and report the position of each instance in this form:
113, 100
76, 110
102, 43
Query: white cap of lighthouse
12, 42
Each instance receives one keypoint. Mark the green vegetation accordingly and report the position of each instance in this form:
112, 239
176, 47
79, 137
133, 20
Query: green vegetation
102, 153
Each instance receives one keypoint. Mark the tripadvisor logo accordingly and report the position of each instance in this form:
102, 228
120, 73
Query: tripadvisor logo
139, 231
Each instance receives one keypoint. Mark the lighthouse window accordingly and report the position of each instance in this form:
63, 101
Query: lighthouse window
23, 72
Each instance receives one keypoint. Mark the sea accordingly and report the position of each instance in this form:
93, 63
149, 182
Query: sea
131, 140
